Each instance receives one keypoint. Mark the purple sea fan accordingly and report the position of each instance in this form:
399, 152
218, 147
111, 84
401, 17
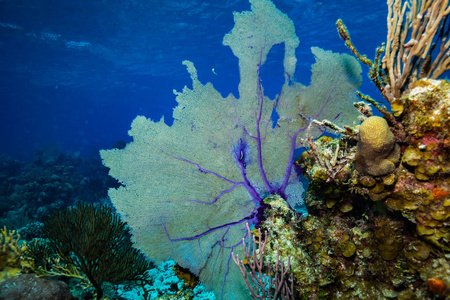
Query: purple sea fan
189, 189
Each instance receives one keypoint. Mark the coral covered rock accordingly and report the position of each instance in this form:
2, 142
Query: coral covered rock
425, 109
279, 227
405, 224
377, 151
422, 190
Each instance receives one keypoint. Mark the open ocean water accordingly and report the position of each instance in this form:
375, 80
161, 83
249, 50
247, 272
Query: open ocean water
74, 74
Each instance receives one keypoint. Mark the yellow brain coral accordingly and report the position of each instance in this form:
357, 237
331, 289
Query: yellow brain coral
377, 152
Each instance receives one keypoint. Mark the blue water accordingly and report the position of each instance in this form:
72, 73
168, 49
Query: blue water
74, 74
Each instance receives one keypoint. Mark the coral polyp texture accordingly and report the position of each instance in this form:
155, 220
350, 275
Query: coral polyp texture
189, 189
377, 152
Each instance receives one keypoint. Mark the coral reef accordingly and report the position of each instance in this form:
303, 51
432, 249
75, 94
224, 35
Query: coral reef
265, 279
279, 225
378, 223
189, 189
165, 284
378, 202
30, 191
421, 191
365, 252
392, 227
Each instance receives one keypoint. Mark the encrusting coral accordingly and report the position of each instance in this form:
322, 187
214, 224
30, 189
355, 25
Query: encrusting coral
421, 192
280, 225
377, 152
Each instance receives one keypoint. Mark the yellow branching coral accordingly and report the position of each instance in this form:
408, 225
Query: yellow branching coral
11, 262
59, 268
47, 262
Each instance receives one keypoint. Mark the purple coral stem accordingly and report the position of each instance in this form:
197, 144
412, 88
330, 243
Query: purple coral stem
267, 184
290, 165
246, 183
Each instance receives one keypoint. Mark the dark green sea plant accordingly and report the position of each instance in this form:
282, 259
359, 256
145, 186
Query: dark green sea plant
95, 241
41, 251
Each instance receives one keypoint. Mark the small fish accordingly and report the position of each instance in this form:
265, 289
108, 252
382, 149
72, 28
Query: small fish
437, 286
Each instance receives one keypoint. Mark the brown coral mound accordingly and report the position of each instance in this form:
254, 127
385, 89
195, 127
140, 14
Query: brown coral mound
377, 152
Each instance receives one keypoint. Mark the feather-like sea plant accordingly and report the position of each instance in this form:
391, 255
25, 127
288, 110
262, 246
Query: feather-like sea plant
95, 241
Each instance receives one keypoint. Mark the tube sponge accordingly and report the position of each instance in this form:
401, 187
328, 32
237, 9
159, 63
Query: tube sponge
376, 153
